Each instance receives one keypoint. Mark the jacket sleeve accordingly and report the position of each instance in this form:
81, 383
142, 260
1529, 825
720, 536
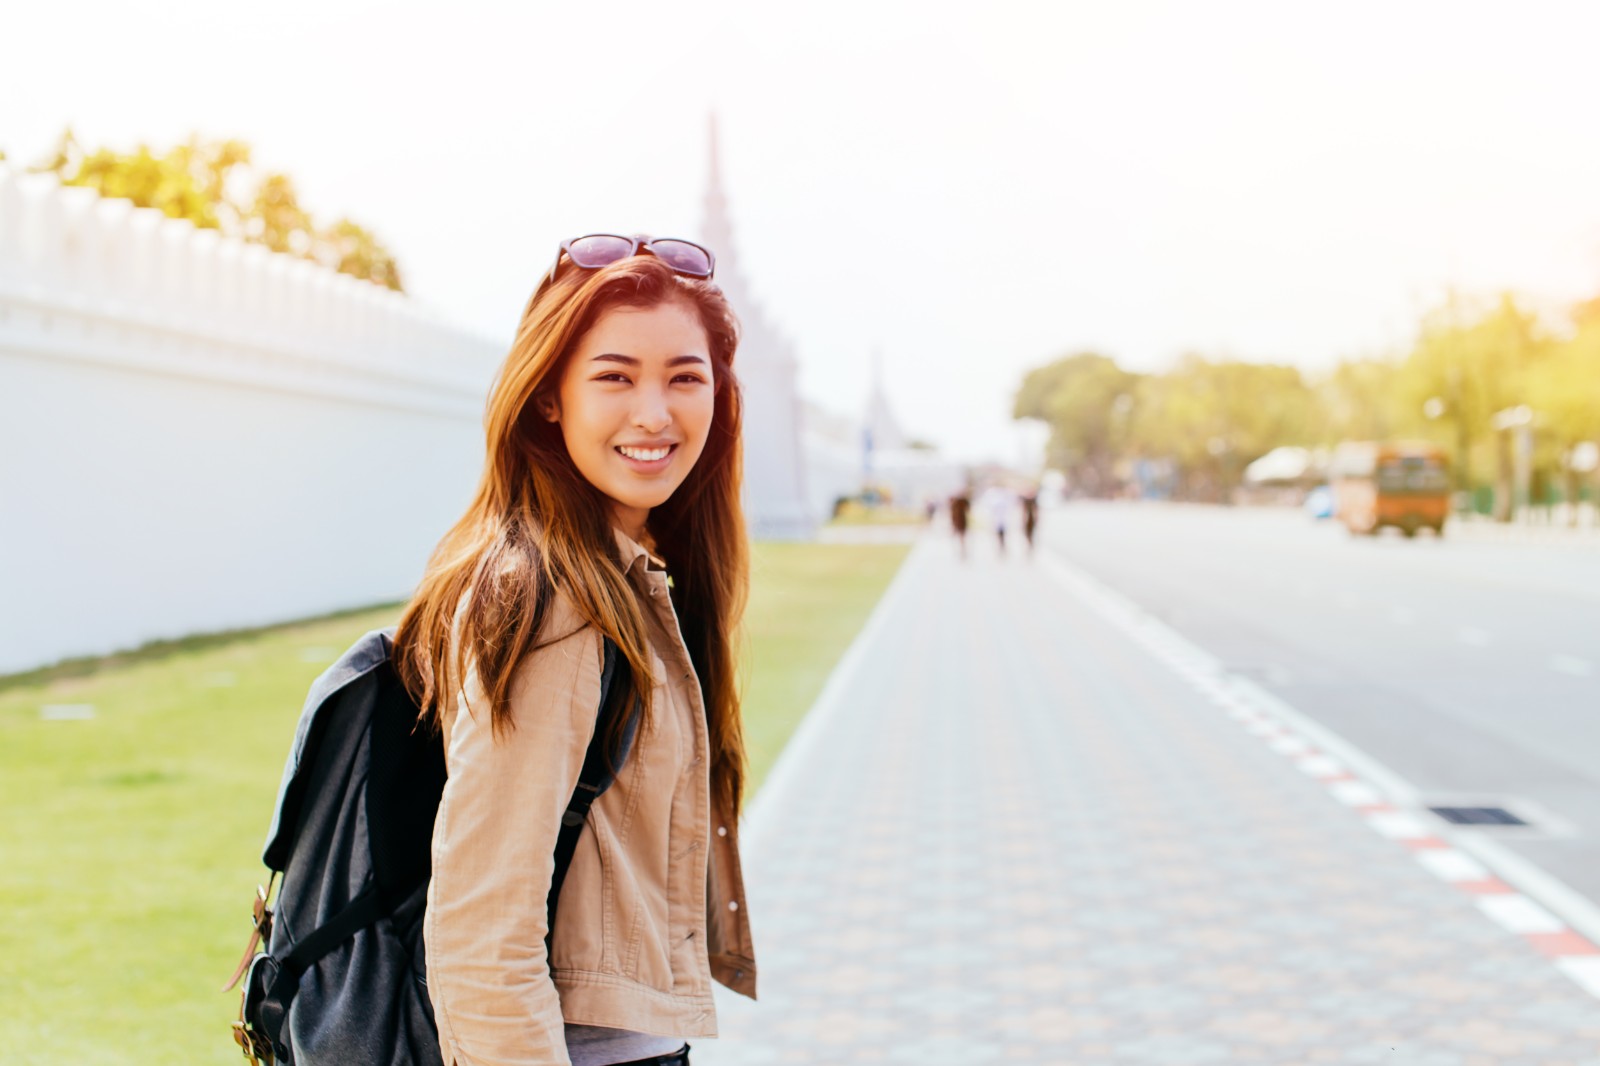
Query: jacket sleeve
493, 845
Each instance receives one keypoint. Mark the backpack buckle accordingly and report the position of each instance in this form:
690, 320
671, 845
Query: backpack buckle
250, 1031
261, 923
255, 1045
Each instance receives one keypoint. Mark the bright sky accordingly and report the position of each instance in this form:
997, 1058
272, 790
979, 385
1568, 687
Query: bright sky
972, 189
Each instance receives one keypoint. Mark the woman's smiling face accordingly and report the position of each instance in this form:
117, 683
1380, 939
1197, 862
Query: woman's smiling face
635, 403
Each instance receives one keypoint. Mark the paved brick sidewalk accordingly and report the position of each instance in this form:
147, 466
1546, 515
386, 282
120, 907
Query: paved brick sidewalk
1015, 835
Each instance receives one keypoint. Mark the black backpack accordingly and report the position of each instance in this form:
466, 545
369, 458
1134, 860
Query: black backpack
343, 979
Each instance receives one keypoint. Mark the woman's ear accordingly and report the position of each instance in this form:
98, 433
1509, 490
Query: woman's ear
548, 405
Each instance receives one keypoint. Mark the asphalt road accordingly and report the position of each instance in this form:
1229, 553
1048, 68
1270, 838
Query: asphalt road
1470, 667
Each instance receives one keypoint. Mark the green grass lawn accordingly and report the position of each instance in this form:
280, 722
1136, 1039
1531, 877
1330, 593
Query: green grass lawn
130, 840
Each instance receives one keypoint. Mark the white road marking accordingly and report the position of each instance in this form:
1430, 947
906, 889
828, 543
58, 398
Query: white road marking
1397, 825
1453, 865
1584, 969
1574, 908
1571, 664
1320, 765
1355, 793
1472, 635
1519, 914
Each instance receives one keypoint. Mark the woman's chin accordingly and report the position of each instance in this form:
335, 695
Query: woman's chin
636, 500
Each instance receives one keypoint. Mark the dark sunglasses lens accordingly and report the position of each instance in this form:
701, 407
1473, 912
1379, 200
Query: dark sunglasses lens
599, 250
684, 257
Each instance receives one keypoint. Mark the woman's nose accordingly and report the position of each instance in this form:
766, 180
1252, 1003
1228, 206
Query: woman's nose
650, 412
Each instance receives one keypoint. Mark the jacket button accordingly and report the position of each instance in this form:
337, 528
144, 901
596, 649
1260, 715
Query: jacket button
733, 904
722, 830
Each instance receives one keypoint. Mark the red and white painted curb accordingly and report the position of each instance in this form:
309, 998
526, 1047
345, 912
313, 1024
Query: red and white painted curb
1371, 792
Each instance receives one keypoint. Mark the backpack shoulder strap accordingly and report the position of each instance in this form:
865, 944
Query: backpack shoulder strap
599, 769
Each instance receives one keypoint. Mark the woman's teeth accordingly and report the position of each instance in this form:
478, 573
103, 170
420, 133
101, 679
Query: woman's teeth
645, 455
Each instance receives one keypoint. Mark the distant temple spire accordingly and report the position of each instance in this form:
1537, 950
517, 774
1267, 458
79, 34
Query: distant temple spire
718, 228
774, 489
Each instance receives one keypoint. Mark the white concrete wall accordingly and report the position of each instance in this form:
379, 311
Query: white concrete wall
198, 434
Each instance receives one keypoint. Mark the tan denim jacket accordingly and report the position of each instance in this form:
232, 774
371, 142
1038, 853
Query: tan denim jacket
653, 906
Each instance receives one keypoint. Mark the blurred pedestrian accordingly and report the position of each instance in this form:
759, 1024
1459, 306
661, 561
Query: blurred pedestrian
998, 503
960, 506
1030, 517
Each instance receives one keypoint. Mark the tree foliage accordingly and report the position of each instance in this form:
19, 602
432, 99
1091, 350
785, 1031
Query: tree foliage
215, 185
1356, 401
1087, 401
1206, 419
1213, 418
1475, 361
1564, 386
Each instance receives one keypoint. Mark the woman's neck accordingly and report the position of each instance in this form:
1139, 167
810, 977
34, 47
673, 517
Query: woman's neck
631, 520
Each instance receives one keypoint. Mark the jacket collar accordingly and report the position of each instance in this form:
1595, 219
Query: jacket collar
631, 552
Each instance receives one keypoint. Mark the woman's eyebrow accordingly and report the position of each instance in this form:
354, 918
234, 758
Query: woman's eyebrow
628, 360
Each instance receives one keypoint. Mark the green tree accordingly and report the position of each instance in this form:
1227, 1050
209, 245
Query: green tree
1564, 387
1564, 391
1207, 419
149, 181
214, 185
1087, 400
276, 218
1212, 419
351, 249
1355, 401
1477, 362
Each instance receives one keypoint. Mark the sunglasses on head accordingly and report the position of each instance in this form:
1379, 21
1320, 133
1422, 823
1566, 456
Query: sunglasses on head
596, 250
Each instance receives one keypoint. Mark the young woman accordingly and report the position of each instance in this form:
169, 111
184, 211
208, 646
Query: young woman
608, 508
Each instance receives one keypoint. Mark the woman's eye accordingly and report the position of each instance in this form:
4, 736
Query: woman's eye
613, 376
694, 379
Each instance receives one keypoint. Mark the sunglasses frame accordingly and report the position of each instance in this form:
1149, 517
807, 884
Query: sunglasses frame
637, 243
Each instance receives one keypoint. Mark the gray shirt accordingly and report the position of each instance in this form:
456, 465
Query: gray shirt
594, 1045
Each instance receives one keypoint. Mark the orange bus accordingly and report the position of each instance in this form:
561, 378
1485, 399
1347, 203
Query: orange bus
1405, 484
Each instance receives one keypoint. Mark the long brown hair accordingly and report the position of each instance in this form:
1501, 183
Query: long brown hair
536, 524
